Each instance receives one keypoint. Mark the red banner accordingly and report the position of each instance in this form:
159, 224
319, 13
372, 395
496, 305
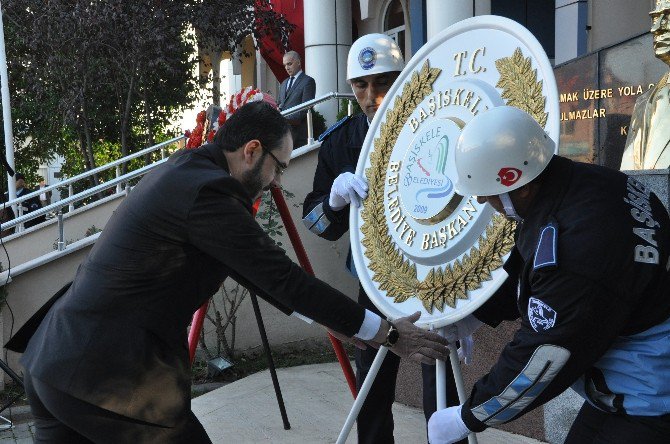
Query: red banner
272, 51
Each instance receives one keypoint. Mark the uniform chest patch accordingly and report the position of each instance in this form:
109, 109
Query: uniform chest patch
541, 316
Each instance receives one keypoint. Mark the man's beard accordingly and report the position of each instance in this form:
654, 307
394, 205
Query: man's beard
253, 181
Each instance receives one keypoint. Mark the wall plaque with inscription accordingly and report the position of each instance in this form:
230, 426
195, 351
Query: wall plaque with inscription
597, 94
417, 245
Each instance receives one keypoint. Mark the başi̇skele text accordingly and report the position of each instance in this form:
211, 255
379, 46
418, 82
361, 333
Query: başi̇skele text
449, 97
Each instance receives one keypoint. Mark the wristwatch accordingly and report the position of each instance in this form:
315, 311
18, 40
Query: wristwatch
391, 337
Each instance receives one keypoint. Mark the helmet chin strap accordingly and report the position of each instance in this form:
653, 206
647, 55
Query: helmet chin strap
509, 207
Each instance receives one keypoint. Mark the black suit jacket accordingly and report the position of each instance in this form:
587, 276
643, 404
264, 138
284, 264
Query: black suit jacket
303, 89
117, 337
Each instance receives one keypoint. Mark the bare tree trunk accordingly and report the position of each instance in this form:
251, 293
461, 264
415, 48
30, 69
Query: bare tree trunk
84, 151
125, 123
216, 78
88, 140
150, 130
95, 180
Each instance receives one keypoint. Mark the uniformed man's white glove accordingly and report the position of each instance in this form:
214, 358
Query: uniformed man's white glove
466, 349
446, 426
463, 328
347, 188
462, 331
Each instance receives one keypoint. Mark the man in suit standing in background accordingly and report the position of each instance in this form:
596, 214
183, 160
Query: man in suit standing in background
297, 88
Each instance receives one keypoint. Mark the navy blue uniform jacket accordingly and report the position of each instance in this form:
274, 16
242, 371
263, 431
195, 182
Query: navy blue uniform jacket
589, 280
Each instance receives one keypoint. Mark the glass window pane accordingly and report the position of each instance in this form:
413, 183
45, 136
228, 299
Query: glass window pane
394, 16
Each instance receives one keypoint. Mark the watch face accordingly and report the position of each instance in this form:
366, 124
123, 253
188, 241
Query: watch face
393, 336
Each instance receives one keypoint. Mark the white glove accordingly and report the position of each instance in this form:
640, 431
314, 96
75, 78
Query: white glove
446, 426
460, 330
466, 349
347, 188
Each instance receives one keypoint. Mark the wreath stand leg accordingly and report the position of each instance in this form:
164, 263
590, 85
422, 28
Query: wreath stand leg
362, 394
441, 382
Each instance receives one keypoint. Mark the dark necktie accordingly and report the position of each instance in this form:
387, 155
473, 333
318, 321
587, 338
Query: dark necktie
290, 84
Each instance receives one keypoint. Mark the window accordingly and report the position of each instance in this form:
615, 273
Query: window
536, 15
394, 24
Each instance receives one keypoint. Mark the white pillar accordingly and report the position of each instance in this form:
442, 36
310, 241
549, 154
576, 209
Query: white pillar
440, 14
7, 114
327, 42
260, 71
482, 7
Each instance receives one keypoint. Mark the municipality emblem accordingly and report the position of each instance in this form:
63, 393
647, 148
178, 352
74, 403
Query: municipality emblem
541, 316
367, 58
426, 186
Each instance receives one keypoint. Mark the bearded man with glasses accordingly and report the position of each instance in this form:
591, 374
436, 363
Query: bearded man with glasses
108, 362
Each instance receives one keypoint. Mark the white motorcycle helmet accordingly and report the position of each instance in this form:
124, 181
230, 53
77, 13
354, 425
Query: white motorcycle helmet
373, 54
500, 150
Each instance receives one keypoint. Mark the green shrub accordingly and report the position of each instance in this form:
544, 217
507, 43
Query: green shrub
318, 122
344, 103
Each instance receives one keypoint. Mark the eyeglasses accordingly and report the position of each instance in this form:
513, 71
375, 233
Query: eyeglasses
281, 166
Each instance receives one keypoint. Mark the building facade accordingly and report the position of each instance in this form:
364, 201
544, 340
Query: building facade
573, 33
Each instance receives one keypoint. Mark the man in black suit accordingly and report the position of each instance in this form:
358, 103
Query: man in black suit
109, 361
28, 205
296, 89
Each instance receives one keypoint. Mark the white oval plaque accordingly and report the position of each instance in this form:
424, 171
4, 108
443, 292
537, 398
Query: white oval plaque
417, 245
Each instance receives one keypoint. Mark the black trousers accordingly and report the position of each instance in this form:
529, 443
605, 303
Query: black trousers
63, 419
593, 426
375, 420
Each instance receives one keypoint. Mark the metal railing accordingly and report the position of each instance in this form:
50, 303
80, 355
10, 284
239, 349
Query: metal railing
85, 175
309, 105
58, 206
120, 181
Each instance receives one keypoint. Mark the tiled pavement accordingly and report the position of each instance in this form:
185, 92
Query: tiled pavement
22, 430
317, 403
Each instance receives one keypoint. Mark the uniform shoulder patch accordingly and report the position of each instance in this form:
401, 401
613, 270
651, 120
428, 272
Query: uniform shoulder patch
540, 315
335, 126
546, 254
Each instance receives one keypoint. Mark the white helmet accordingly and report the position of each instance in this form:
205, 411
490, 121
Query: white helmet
373, 54
500, 150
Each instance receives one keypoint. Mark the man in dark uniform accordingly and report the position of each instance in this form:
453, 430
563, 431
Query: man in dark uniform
374, 63
589, 279
109, 362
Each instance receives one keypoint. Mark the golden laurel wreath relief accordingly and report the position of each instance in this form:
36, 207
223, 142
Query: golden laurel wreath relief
408, 162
